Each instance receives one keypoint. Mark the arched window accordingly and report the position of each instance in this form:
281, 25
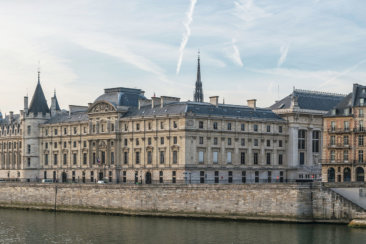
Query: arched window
360, 174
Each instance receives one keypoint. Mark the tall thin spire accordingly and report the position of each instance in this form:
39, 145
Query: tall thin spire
198, 93
39, 72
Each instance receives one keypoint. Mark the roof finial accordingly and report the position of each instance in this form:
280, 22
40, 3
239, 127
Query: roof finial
39, 72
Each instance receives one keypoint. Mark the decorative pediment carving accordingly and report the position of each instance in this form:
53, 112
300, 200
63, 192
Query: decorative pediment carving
102, 107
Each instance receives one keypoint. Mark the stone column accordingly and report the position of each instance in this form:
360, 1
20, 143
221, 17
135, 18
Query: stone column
292, 147
309, 147
90, 142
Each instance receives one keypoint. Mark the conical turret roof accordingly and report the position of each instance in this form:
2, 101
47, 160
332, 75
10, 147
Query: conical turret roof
39, 102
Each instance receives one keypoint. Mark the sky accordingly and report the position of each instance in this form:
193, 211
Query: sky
249, 48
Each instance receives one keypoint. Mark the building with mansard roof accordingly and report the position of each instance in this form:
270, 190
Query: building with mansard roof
303, 111
125, 137
344, 157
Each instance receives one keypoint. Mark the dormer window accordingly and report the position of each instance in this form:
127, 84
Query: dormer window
363, 90
334, 111
362, 101
346, 111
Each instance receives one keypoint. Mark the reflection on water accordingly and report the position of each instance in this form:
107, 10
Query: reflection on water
18, 226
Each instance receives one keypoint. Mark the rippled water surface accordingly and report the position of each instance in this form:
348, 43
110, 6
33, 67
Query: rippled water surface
18, 226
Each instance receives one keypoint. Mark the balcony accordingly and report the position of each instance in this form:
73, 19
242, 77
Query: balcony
359, 130
339, 145
336, 162
339, 130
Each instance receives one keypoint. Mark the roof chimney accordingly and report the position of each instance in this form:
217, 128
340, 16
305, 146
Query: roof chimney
11, 116
214, 100
155, 101
252, 103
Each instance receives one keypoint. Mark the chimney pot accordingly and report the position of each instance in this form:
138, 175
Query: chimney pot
252, 103
214, 100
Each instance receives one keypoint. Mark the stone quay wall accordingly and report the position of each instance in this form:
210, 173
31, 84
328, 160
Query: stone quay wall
269, 202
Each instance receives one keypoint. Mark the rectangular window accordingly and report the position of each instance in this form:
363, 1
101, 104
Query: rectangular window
301, 139
268, 157
202, 177
268, 143
332, 155
175, 140
162, 140
269, 176
56, 132
332, 140
46, 159
280, 143
256, 142
302, 158
345, 155
268, 128
55, 159
215, 141
149, 141
230, 176
162, 157
360, 140
200, 157
137, 142
74, 143
242, 127
345, 140
255, 158
200, 124
137, 157
94, 158
215, 157
229, 141
243, 176
332, 125
161, 177
242, 142
216, 177
84, 158
124, 176
255, 127
280, 159
228, 157
75, 130
174, 177
346, 125
112, 157
175, 125
28, 129
74, 158
126, 142
64, 144
215, 125
137, 126
316, 141
161, 125
280, 129
201, 140
65, 159
360, 156
149, 157
175, 157
242, 158
256, 176
125, 157
228, 126
28, 149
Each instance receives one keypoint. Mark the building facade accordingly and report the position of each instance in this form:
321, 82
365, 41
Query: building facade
343, 141
303, 111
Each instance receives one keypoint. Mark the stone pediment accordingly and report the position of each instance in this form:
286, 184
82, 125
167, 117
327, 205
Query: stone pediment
102, 107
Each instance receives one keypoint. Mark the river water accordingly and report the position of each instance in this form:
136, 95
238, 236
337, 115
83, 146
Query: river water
20, 226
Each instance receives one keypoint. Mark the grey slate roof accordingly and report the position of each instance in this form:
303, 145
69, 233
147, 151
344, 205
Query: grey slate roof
38, 103
6, 120
309, 100
65, 117
350, 101
122, 96
205, 109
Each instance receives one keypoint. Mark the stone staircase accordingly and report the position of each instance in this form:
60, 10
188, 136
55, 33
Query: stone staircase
355, 195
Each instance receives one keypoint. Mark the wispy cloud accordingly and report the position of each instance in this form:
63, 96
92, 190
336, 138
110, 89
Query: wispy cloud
233, 53
249, 12
284, 51
186, 34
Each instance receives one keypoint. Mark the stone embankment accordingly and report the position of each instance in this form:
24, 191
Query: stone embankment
268, 202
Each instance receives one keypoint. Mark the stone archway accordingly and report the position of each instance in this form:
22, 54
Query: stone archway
360, 174
331, 175
347, 175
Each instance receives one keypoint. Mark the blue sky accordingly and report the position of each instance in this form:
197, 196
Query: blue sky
249, 48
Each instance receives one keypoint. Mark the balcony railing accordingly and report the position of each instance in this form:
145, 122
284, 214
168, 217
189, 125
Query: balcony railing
353, 162
339, 130
359, 130
338, 145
